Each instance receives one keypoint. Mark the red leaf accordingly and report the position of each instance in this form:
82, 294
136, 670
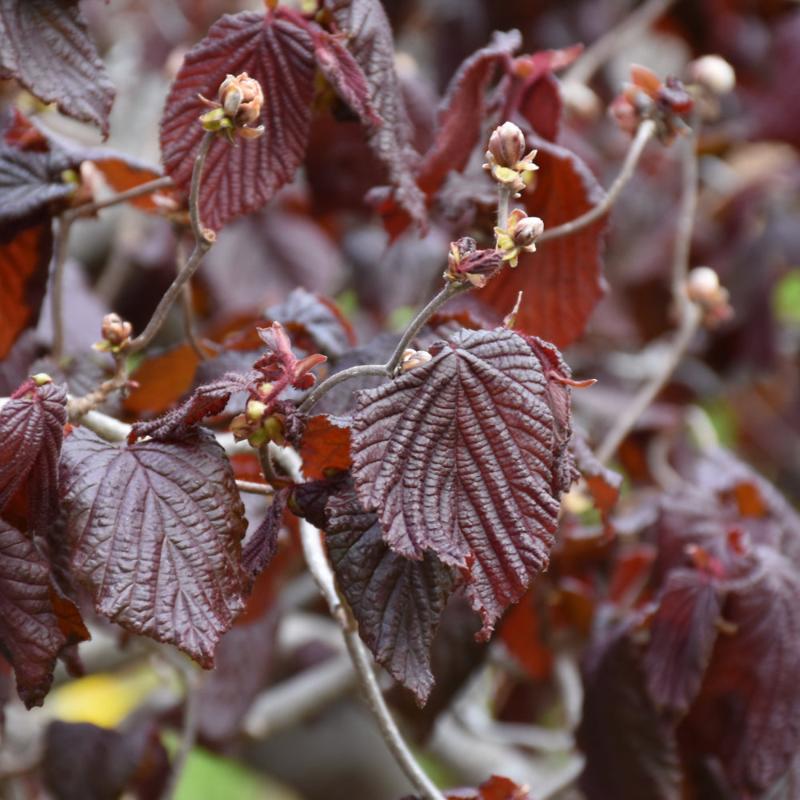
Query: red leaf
397, 602
30, 635
325, 446
371, 42
524, 633
748, 711
562, 281
82, 761
276, 50
630, 749
496, 788
46, 46
25, 252
262, 544
31, 433
123, 173
462, 110
155, 529
344, 74
465, 456
604, 484
682, 636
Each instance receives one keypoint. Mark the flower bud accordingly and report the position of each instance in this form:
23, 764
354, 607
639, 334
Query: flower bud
116, 333
714, 73
414, 358
527, 231
41, 378
255, 410
507, 144
238, 108
704, 289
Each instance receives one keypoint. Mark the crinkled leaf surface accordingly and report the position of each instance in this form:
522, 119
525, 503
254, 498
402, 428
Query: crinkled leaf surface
25, 252
45, 45
30, 635
466, 457
562, 281
396, 601
277, 50
156, 531
371, 42
31, 433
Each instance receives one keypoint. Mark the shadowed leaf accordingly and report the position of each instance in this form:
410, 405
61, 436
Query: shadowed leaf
397, 602
465, 456
155, 530
45, 45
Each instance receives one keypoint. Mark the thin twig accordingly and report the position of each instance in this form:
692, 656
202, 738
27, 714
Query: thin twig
321, 570
87, 209
78, 407
204, 238
57, 287
615, 40
191, 719
503, 202
643, 136
251, 487
689, 314
325, 386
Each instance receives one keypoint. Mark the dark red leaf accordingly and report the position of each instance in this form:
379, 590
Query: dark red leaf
604, 484
630, 750
31, 432
682, 636
45, 45
262, 544
496, 788
748, 711
155, 529
275, 49
397, 602
524, 633
25, 252
541, 105
465, 456
344, 74
84, 762
369, 38
30, 635
314, 322
462, 110
325, 446
562, 281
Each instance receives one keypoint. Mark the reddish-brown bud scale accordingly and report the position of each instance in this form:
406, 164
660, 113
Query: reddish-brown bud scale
507, 144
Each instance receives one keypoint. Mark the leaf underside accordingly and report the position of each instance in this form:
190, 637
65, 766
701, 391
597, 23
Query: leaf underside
156, 531
465, 456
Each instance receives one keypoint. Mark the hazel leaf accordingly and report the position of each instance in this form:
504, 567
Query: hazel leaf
465, 457
155, 530
46, 46
277, 50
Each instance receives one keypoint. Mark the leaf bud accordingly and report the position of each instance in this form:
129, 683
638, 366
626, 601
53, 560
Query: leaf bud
714, 73
41, 378
255, 410
507, 144
466, 263
704, 289
519, 235
414, 358
240, 99
527, 231
116, 333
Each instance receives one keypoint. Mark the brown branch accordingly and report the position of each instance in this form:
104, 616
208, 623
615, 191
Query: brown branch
689, 314
57, 286
643, 135
87, 209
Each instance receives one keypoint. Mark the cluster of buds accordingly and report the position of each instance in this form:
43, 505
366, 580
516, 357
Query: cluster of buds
413, 358
237, 108
116, 333
704, 289
519, 236
667, 103
710, 77
465, 263
505, 159
264, 417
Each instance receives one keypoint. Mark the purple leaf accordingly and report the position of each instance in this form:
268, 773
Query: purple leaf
45, 45
344, 74
397, 602
262, 544
31, 433
371, 42
682, 636
465, 456
156, 531
277, 50
30, 635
